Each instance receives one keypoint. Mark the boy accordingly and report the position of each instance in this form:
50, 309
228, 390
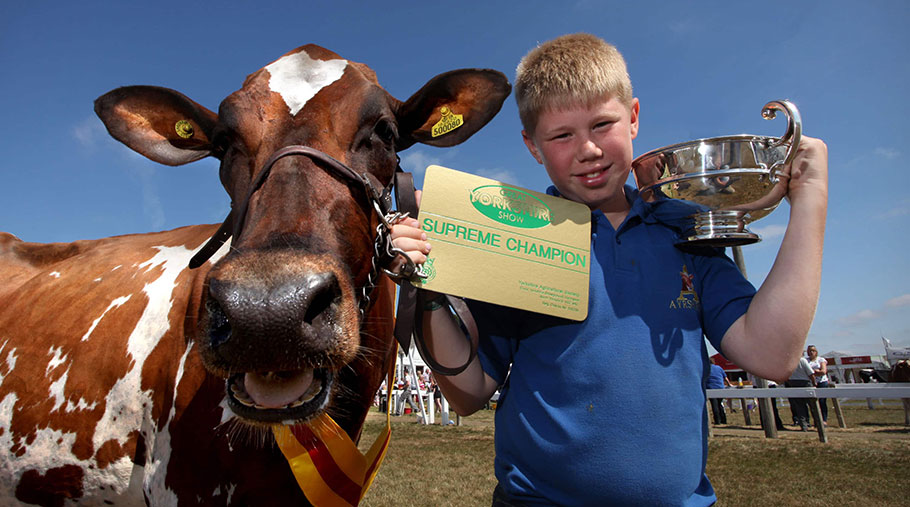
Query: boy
612, 409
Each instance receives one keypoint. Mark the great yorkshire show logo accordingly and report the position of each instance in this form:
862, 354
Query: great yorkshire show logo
688, 298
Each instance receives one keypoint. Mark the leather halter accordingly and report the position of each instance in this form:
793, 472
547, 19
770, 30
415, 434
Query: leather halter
233, 223
409, 316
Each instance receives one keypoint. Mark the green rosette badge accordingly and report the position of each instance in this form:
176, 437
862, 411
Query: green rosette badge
429, 269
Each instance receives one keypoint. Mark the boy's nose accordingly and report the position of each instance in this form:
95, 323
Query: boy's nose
589, 150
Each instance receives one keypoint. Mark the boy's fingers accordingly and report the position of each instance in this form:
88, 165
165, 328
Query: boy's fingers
417, 195
404, 230
416, 256
411, 245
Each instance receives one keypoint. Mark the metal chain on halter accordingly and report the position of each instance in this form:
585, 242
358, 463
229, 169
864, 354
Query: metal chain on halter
383, 255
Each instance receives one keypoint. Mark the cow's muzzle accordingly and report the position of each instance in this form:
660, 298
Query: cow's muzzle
276, 326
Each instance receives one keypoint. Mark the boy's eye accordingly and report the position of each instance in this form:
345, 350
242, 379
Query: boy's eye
603, 124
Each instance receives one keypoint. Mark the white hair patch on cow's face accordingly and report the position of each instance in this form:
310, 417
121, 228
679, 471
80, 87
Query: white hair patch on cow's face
55, 274
298, 78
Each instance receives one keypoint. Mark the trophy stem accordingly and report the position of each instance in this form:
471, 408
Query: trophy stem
719, 228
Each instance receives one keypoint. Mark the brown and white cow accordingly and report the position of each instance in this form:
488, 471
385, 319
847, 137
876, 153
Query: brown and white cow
127, 378
900, 372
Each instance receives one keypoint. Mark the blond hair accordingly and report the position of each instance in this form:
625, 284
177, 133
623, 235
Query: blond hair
566, 71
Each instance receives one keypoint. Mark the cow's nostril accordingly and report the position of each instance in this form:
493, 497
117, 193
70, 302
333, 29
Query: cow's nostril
219, 327
323, 292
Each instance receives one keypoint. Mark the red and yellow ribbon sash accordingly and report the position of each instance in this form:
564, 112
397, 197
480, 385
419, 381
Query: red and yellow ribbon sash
329, 468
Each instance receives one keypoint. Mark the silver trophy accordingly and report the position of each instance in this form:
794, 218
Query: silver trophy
721, 184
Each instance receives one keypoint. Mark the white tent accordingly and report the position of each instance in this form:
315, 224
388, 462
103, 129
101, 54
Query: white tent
895, 354
845, 367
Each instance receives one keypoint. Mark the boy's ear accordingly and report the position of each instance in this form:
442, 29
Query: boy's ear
634, 118
531, 146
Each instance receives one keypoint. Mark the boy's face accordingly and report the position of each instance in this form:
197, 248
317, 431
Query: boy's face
587, 150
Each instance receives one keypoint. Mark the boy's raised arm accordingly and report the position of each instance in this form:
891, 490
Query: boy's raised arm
471, 389
769, 338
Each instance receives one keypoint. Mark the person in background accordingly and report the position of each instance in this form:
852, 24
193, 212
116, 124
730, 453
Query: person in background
437, 395
820, 372
802, 376
404, 384
717, 379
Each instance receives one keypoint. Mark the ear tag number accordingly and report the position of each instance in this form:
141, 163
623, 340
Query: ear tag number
448, 122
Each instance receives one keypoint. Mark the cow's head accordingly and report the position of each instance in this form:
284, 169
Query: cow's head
281, 319
900, 372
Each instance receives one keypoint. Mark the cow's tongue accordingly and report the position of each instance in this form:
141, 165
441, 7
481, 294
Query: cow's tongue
275, 390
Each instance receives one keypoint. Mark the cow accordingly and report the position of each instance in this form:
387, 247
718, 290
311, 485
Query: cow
900, 372
128, 378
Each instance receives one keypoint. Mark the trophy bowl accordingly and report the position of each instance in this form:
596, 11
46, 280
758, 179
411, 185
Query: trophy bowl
722, 184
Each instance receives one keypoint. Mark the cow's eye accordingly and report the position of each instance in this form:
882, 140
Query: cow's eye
220, 144
385, 130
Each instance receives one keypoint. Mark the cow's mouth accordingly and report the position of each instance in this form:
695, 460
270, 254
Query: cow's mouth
279, 397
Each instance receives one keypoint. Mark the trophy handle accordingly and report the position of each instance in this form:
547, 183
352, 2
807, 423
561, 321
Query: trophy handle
793, 135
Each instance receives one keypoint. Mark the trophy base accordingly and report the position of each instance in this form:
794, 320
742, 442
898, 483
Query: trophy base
719, 229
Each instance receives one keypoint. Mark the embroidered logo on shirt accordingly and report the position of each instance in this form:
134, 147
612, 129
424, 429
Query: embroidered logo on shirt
688, 298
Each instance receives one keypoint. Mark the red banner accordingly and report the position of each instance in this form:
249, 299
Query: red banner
855, 360
724, 363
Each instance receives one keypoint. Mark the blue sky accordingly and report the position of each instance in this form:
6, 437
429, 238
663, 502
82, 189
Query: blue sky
700, 70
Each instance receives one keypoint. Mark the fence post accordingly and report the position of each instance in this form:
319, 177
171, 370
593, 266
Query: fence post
819, 423
741, 264
766, 412
746, 414
444, 416
841, 422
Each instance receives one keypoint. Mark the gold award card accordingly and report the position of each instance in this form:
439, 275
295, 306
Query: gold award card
506, 245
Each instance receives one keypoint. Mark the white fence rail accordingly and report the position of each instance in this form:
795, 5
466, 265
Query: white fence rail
840, 392
844, 392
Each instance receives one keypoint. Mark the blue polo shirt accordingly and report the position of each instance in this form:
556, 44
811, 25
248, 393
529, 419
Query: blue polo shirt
612, 409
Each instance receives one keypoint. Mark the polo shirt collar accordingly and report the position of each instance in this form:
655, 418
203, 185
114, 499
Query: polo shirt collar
671, 213
638, 209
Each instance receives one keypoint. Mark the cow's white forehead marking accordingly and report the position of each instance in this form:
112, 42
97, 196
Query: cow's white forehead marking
114, 304
298, 78
55, 274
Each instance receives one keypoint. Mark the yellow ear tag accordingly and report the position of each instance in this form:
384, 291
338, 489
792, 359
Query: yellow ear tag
447, 123
329, 468
184, 129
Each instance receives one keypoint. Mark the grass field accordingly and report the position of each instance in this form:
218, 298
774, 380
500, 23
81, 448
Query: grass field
866, 464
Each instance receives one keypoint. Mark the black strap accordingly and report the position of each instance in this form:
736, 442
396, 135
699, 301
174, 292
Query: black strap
214, 243
409, 317
233, 224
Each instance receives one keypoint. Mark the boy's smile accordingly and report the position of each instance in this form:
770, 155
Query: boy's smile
587, 151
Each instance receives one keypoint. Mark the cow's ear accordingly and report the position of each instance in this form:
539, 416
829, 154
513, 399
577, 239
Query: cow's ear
451, 107
162, 124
